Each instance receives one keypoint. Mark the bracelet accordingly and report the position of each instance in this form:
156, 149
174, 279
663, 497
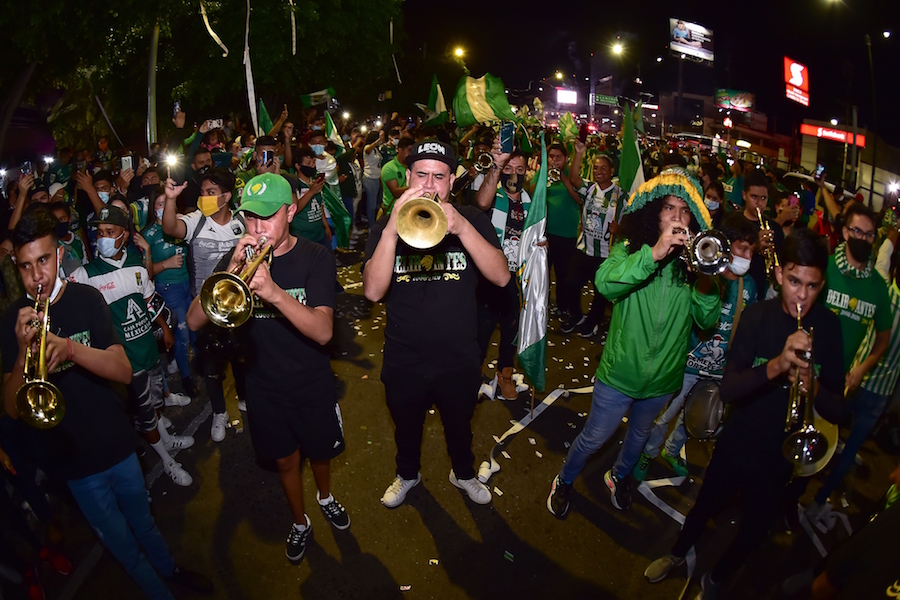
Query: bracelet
71, 351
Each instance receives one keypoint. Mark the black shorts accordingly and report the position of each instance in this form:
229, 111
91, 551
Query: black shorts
277, 431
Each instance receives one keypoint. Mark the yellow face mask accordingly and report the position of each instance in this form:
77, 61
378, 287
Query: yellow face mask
208, 205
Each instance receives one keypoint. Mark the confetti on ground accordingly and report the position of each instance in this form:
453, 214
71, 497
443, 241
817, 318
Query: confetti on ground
363, 427
239, 430
538, 454
582, 415
370, 442
235, 422
506, 455
433, 562
498, 491
566, 444
365, 376
508, 556
532, 441
551, 344
572, 425
405, 588
575, 380
496, 439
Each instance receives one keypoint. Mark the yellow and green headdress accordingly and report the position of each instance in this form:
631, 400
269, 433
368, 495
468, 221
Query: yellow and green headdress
672, 181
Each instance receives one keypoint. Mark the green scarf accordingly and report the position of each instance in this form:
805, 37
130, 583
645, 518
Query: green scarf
501, 208
844, 266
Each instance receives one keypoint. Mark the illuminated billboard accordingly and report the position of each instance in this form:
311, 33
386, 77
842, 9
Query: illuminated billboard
566, 96
691, 39
835, 135
796, 81
734, 100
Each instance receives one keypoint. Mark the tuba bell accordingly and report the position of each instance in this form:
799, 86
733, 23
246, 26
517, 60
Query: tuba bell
421, 222
39, 402
226, 297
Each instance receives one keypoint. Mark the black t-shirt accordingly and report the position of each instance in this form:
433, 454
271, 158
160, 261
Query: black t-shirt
283, 365
866, 565
94, 434
431, 307
348, 186
759, 406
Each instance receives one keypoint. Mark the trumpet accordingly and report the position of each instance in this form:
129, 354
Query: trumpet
554, 175
708, 252
770, 255
484, 162
806, 447
39, 402
225, 296
421, 222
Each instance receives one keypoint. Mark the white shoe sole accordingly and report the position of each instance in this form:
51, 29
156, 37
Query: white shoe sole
456, 482
397, 503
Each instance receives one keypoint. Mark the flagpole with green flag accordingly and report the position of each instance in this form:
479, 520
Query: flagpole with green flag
631, 170
481, 100
339, 215
534, 282
331, 133
436, 110
265, 121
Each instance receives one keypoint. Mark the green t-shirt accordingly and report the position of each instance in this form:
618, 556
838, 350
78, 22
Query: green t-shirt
734, 190
162, 247
563, 213
394, 170
858, 302
307, 223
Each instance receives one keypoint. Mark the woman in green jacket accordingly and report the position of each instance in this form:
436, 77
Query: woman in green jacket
656, 300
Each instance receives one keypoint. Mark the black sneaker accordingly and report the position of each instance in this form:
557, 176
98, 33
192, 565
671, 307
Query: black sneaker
586, 330
296, 541
619, 493
334, 512
569, 324
192, 580
558, 500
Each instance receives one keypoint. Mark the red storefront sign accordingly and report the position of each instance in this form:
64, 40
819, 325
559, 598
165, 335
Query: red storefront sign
835, 135
796, 81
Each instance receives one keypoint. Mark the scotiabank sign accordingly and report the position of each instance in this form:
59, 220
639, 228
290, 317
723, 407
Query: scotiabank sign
836, 135
796, 81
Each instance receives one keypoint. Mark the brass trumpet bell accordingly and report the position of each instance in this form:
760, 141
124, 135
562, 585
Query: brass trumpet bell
421, 223
38, 401
484, 162
226, 297
554, 175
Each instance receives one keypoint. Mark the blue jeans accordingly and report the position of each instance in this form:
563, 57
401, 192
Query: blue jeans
651, 448
608, 406
866, 408
373, 190
178, 299
115, 504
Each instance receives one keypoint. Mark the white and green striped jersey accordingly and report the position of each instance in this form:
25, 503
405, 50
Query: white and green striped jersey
883, 376
600, 207
126, 287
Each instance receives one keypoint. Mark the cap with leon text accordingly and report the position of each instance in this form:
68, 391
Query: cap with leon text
432, 150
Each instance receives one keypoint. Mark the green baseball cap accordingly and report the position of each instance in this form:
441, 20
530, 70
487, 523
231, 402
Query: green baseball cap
265, 194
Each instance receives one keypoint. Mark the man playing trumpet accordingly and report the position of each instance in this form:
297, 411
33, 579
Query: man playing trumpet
289, 380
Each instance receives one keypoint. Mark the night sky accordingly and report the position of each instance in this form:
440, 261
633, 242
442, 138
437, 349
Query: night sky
519, 43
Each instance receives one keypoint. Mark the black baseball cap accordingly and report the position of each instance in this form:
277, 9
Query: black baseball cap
111, 215
432, 150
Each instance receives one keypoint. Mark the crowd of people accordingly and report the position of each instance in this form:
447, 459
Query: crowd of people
121, 245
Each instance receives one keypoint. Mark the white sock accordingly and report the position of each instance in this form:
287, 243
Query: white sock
164, 435
301, 527
160, 448
324, 501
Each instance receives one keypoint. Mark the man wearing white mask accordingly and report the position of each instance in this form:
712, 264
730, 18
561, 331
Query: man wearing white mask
706, 358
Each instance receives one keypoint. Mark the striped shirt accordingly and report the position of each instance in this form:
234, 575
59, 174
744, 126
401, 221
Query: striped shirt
883, 376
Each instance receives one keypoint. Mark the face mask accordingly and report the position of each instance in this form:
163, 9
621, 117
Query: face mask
345, 137
317, 149
511, 182
199, 173
739, 265
62, 230
317, 128
146, 190
104, 197
208, 205
308, 171
107, 246
159, 214
861, 250
711, 204
395, 142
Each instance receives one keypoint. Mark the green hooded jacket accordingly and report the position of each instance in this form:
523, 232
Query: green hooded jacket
647, 345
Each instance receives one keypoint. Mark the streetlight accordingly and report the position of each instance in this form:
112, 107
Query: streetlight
834, 122
458, 52
617, 48
659, 59
559, 75
886, 34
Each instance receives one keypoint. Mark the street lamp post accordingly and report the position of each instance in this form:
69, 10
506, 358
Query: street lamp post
874, 135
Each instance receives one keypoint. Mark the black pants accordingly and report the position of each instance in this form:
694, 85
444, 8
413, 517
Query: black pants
499, 306
760, 493
582, 270
411, 392
559, 256
214, 377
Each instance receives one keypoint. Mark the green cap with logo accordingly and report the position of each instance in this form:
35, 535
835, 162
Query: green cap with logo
265, 194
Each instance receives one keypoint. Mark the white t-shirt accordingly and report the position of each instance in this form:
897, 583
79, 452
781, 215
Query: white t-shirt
328, 165
211, 243
372, 162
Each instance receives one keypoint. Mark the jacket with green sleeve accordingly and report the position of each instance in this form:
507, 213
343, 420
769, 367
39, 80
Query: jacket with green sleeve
653, 311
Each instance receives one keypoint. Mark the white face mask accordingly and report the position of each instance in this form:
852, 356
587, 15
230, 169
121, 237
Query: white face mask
739, 265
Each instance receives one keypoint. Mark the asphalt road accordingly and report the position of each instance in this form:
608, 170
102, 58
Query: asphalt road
232, 522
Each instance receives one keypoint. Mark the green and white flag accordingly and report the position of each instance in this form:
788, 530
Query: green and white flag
339, 215
631, 170
534, 282
436, 110
332, 134
320, 97
481, 100
265, 121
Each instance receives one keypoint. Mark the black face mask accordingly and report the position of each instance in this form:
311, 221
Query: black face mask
62, 230
308, 171
512, 182
861, 250
146, 190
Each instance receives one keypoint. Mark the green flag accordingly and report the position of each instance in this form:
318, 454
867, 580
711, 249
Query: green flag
481, 100
631, 171
339, 215
332, 134
315, 98
265, 121
533, 277
436, 110
568, 128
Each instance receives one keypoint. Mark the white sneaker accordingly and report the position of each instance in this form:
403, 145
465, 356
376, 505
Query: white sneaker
396, 492
179, 442
477, 491
165, 422
219, 422
174, 399
242, 405
172, 368
178, 475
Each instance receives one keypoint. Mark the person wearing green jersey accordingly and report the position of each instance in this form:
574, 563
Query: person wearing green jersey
309, 221
76, 254
393, 175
